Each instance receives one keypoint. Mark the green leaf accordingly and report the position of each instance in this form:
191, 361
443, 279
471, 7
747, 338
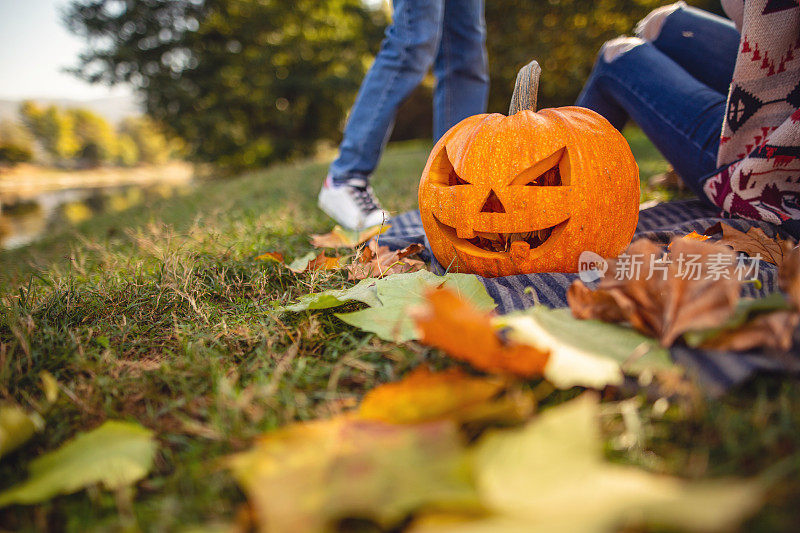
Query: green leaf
301, 263
746, 308
16, 427
116, 454
364, 291
587, 353
551, 475
397, 293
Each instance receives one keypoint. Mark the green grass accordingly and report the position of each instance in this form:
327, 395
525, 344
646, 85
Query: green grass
161, 315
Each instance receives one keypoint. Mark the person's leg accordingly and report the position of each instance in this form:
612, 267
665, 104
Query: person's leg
703, 44
406, 55
680, 115
461, 66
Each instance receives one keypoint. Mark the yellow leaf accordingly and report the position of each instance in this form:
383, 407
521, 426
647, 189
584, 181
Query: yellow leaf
424, 395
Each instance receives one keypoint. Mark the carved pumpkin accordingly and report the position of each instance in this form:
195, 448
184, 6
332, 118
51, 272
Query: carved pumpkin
528, 192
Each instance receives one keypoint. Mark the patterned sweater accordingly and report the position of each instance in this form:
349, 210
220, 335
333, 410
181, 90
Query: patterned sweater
759, 152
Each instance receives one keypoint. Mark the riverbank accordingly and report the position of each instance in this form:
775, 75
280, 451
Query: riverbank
26, 181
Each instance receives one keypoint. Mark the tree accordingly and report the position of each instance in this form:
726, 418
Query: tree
244, 82
96, 138
152, 146
53, 128
16, 143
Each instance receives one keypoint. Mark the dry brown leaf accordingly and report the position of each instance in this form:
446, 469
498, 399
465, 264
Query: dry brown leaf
453, 324
754, 242
772, 331
342, 238
674, 299
270, 256
789, 275
424, 395
379, 261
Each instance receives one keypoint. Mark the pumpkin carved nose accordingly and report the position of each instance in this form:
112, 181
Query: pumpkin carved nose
493, 204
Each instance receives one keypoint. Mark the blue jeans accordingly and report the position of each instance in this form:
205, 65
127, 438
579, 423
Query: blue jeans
674, 87
449, 35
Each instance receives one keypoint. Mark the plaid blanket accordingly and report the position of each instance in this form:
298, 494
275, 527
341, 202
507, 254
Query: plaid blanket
716, 371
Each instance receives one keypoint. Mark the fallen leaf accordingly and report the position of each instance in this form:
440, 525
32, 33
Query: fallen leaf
49, 386
452, 324
364, 291
399, 293
343, 238
379, 261
551, 475
586, 353
17, 426
771, 331
308, 476
116, 454
669, 295
789, 275
424, 396
753, 243
694, 236
747, 310
313, 261
270, 256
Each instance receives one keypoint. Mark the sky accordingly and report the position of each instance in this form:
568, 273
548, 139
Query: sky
35, 47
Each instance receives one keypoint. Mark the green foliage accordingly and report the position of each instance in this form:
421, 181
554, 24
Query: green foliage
152, 146
14, 153
53, 128
127, 151
16, 143
245, 82
96, 137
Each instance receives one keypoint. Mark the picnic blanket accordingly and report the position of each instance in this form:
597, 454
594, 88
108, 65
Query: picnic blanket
715, 371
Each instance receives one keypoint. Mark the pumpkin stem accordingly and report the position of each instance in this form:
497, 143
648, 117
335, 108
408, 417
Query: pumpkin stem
526, 90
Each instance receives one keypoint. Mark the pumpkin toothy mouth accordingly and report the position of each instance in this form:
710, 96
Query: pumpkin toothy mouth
516, 244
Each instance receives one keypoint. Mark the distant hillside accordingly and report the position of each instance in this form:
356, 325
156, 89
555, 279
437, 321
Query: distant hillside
113, 109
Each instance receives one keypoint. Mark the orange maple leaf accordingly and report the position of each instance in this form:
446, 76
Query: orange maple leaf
453, 324
323, 262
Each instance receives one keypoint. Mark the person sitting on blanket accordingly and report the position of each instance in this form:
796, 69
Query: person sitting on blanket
720, 99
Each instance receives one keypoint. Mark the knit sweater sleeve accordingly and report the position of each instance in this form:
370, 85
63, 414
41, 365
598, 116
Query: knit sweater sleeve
759, 153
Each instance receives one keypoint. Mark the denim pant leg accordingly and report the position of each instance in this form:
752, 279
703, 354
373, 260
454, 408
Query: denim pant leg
680, 115
703, 44
406, 55
461, 66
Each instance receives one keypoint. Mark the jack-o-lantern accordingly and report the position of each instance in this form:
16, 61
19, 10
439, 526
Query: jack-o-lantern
528, 192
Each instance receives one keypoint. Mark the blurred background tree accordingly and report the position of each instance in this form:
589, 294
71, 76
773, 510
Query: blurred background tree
53, 129
96, 138
147, 139
249, 82
16, 143
244, 82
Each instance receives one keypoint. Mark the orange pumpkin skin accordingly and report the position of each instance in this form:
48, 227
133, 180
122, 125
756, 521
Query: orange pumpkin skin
476, 183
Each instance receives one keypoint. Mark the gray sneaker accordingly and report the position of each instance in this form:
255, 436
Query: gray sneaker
353, 205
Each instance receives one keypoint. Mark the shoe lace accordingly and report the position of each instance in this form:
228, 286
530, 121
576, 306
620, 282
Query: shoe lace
362, 194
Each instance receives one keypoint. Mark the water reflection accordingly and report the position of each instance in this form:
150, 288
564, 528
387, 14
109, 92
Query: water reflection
25, 219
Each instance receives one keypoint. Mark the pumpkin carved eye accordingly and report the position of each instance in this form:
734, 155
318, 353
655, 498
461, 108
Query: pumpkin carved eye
549, 172
454, 179
442, 172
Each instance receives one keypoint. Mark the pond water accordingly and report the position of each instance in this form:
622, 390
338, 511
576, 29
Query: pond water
24, 218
